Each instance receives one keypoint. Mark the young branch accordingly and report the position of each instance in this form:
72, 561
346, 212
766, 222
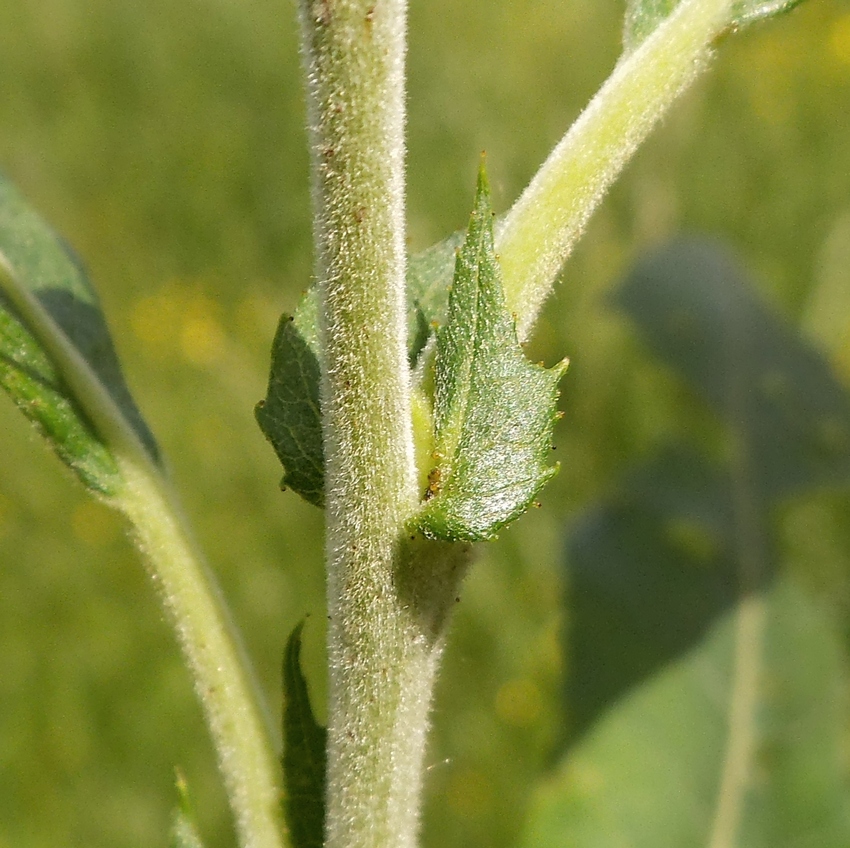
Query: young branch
537, 235
230, 697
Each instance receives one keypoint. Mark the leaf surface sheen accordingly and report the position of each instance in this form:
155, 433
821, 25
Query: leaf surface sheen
493, 410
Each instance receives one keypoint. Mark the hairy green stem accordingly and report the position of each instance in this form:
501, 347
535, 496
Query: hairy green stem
231, 698
537, 235
382, 652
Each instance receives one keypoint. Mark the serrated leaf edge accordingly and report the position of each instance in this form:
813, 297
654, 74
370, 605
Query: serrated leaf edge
481, 217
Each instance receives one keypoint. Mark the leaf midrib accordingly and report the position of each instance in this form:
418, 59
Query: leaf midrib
449, 435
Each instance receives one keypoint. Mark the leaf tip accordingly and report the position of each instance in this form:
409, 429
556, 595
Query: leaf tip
483, 186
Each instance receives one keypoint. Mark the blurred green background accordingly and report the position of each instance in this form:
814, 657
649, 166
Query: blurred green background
165, 141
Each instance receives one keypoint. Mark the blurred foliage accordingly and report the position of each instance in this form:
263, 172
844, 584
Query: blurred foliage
165, 141
669, 740
689, 648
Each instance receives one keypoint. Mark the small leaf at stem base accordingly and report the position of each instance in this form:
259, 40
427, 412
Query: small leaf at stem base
494, 411
290, 416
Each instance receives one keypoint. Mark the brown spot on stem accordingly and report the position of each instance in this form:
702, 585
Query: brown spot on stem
322, 12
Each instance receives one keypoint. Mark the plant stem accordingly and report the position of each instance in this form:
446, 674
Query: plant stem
752, 548
537, 235
231, 699
382, 652
743, 705
230, 696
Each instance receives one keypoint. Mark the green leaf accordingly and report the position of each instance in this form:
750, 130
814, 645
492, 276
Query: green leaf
650, 775
304, 743
652, 566
643, 16
290, 416
493, 410
57, 360
184, 831
650, 569
777, 395
429, 280
665, 557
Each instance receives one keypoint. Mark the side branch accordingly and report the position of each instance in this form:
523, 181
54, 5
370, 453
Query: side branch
539, 232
